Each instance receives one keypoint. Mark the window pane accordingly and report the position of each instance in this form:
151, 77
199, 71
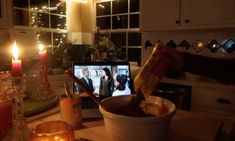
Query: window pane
134, 39
120, 6
119, 22
134, 21
121, 53
57, 6
119, 39
21, 3
134, 54
103, 23
103, 8
58, 22
21, 17
59, 38
39, 5
134, 6
41, 20
44, 38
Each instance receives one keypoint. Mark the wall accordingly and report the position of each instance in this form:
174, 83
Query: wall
79, 21
206, 36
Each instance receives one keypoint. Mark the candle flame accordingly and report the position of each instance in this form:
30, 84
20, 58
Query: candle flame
15, 51
40, 47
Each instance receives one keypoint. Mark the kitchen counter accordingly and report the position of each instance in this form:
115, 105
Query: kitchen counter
185, 126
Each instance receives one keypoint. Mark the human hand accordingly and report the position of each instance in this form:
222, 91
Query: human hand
173, 57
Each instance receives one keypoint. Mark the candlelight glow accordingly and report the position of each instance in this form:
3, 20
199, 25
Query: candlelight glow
15, 51
80, 1
40, 47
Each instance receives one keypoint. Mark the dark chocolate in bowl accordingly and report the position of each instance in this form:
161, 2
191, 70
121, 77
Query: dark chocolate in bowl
134, 128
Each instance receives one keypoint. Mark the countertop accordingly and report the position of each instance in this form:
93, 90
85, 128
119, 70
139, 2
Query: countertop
186, 126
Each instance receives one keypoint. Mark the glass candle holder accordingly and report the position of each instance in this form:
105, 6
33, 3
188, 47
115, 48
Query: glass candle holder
6, 110
52, 131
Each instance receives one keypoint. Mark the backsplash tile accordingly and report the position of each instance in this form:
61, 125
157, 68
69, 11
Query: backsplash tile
198, 45
229, 45
206, 42
213, 46
184, 44
171, 44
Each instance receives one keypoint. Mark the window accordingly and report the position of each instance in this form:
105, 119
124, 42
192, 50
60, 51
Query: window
46, 17
120, 18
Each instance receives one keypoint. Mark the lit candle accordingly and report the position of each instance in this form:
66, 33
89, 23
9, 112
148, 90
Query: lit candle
16, 63
52, 131
42, 54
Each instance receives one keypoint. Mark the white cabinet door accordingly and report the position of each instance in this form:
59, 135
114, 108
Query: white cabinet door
159, 14
186, 14
207, 13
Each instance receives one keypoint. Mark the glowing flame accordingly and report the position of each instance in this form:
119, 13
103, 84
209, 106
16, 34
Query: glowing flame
40, 47
15, 51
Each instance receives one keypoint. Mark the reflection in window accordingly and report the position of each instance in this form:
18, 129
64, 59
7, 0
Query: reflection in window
21, 4
120, 22
21, 17
120, 6
134, 54
40, 20
103, 23
134, 39
134, 21
39, 4
124, 29
59, 38
57, 7
44, 38
37, 15
134, 6
58, 22
103, 8
118, 39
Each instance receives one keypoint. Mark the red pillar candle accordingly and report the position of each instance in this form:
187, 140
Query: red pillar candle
16, 63
42, 54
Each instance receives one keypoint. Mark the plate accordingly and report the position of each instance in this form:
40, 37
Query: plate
32, 106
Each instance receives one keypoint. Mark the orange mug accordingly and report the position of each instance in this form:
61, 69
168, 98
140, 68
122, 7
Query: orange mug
71, 111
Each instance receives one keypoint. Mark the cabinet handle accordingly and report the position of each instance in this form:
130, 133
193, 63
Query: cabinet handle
177, 22
186, 21
223, 101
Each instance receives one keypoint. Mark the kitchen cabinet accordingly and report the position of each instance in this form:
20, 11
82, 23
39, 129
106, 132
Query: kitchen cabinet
184, 14
210, 97
6, 14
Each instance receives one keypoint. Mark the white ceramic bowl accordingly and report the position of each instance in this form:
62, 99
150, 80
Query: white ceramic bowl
127, 128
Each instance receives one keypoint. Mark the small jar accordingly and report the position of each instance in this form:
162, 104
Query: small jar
71, 110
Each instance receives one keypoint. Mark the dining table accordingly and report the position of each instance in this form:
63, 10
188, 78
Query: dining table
185, 126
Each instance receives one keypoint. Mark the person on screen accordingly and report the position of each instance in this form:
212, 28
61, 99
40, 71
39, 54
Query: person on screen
106, 83
86, 80
122, 87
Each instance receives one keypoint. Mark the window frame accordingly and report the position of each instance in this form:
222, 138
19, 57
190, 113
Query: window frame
111, 30
37, 29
